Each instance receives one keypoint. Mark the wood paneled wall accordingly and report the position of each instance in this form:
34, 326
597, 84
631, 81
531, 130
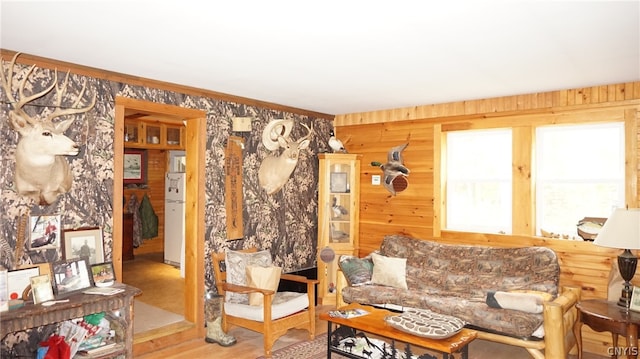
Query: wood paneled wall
412, 212
597, 96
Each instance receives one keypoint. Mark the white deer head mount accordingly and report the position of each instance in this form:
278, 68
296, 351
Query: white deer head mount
276, 170
42, 173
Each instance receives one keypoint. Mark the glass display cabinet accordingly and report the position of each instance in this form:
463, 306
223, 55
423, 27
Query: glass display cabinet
338, 217
153, 134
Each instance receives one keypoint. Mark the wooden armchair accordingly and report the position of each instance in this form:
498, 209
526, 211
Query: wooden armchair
280, 312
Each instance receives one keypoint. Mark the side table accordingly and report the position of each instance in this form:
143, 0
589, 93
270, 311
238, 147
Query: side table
36, 315
602, 315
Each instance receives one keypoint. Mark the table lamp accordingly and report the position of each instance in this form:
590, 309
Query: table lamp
622, 231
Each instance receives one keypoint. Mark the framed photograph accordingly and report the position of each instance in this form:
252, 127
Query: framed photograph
338, 182
41, 289
635, 299
19, 281
71, 276
103, 274
44, 232
135, 166
84, 242
43, 268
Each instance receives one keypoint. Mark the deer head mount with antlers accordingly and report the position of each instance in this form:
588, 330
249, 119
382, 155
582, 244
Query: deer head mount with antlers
42, 173
275, 170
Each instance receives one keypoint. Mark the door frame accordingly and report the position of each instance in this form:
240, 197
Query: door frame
195, 145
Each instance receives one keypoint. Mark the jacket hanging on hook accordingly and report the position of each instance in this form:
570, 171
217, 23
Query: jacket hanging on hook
148, 218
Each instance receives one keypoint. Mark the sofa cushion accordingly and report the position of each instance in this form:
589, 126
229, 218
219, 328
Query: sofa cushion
357, 271
472, 271
389, 271
425, 323
504, 321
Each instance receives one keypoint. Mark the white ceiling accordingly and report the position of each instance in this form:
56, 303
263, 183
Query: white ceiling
340, 56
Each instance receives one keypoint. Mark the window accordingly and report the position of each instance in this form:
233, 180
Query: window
479, 180
578, 170
579, 173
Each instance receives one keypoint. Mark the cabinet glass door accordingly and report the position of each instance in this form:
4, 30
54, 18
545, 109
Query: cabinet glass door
153, 134
132, 132
174, 136
340, 203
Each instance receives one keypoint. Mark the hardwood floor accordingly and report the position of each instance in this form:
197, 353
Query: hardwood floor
250, 346
160, 283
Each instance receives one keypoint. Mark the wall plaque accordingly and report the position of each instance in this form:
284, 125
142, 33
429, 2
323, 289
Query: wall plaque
233, 187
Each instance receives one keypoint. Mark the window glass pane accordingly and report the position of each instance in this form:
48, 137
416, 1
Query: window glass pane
580, 173
479, 181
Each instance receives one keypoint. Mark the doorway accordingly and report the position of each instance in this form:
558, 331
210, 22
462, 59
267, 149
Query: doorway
195, 121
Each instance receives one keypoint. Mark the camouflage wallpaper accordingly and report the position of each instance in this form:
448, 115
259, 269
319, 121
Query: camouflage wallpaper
285, 222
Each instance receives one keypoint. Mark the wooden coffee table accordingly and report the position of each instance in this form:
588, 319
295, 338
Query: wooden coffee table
374, 323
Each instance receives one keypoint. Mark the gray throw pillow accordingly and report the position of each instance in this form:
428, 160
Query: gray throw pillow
236, 265
356, 270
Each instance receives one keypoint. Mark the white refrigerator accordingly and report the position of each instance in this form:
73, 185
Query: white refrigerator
174, 218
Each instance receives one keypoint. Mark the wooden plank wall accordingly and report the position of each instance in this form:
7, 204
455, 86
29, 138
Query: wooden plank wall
156, 168
411, 212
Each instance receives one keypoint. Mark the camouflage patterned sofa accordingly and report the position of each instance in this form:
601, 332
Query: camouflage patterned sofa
457, 279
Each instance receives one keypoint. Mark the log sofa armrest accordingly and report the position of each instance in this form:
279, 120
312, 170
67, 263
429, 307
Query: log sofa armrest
559, 317
341, 282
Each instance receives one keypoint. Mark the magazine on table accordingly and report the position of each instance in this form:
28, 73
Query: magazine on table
347, 313
103, 290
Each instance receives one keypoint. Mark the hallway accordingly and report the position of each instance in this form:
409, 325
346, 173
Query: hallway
162, 298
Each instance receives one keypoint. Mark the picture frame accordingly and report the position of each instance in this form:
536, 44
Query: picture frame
134, 166
44, 232
84, 242
41, 289
19, 280
103, 274
71, 276
635, 299
338, 182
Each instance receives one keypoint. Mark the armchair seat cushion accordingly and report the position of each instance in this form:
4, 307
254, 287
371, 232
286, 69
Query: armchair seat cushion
284, 304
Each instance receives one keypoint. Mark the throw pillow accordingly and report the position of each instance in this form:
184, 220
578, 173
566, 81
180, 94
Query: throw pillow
358, 271
425, 323
546, 297
389, 271
525, 302
263, 278
236, 265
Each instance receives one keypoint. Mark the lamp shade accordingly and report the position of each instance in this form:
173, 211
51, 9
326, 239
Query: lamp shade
621, 230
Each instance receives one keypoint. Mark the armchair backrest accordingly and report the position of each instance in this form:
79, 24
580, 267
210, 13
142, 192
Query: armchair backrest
220, 270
